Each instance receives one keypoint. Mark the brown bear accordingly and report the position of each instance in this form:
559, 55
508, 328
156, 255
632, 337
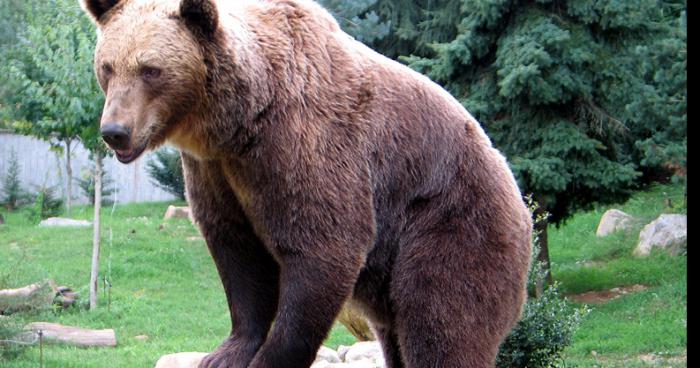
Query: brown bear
319, 171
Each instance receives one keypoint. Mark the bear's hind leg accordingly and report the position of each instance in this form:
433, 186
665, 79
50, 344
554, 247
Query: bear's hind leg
455, 300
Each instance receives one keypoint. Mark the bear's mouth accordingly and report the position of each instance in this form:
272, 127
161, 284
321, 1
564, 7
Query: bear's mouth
128, 156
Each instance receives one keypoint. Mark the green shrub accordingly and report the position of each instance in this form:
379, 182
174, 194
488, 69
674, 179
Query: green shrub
86, 182
546, 326
46, 204
13, 195
166, 171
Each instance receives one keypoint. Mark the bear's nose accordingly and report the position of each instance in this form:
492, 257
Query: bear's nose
115, 135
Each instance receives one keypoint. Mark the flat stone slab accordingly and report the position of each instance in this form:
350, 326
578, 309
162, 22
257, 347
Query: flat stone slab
181, 360
62, 221
178, 213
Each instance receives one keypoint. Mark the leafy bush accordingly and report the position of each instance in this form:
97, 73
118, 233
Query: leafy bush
166, 170
86, 182
13, 195
546, 326
46, 204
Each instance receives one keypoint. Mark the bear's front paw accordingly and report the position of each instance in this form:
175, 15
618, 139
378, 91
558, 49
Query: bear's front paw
233, 353
218, 359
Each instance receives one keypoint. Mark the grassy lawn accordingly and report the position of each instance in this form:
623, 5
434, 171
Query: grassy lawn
643, 329
165, 286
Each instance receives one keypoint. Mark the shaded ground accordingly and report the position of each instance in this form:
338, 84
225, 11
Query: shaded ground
597, 297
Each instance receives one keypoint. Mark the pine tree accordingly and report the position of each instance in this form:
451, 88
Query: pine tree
12, 193
582, 96
166, 172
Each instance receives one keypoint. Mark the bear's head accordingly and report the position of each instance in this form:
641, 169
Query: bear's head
150, 65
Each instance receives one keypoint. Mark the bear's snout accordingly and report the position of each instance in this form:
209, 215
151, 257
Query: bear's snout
116, 136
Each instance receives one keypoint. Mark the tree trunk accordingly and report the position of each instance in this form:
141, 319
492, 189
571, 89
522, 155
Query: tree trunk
69, 174
35, 296
96, 231
543, 255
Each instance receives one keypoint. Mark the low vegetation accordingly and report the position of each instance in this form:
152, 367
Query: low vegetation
165, 295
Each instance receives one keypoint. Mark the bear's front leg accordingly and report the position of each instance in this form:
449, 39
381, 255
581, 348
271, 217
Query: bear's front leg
312, 294
320, 236
248, 272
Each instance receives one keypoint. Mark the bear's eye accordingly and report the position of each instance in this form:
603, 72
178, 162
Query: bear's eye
150, 72
107, 70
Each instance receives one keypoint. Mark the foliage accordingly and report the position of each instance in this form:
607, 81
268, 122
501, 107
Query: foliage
13, 195
86, 182
46, 204
55, 95
599, 87
544, 330
356, 18
166, 171
547, 324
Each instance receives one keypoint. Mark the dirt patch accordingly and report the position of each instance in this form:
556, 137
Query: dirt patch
598, 297
661, 359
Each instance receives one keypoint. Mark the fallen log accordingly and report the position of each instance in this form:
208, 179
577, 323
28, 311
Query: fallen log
54, 333
36, 296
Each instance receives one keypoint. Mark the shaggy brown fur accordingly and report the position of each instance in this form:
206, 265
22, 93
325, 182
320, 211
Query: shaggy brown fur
318, 171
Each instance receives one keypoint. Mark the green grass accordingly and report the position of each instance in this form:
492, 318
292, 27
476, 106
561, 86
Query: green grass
619, 332
165, 286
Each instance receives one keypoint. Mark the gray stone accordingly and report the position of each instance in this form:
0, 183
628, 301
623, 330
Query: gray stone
180, 360
668, 231
327, 355
614, 220
60, 221
342, 351
178, 213
366, 350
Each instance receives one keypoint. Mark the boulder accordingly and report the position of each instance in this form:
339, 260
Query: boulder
178, 213
61, 221
668, 231
614, 220
363, 363
327, 355
180, 360
365, 350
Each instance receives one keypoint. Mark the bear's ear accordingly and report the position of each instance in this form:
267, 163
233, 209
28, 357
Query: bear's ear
97, 8
200, 15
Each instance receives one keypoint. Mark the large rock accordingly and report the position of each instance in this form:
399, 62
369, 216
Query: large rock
365, 350
669, 232
612, 221
61, 221
180, 360
364, 363
178, 213
325, 354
